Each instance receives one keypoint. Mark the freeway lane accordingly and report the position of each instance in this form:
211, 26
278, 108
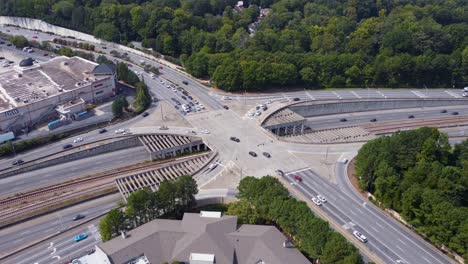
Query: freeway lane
60, 221
360, 118
66, 171
389, 242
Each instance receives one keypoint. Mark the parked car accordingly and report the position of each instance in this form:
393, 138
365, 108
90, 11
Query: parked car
296, 99
17, 162
67, 146
253, 154
102, 131
234, 139
266, 154
145, 114
78, 217
205, 131
297, 178
80, 237
280, 172
226, 107
443, 111
360, 236
90, 251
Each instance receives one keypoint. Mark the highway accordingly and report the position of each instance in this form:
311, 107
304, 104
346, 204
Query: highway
66, 171
60, 221
388, 239
361, 118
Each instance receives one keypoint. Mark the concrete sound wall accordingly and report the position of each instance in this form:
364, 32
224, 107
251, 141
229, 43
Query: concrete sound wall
36, 24
73, 155
337, 107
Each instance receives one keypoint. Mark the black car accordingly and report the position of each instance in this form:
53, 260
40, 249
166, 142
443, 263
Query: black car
185, 82
2, 58
373, 120
189, 97
9, 44
280, 172
191, 104
253, 154
411, 116
266, 154
296, 99
176, 107
443, 111
17, 162
78, 217
102, 131
343, 120
235, 139
67, 146
145, 114
2, 42
90, 251
454, 113
183, 97
226, 107
173, 99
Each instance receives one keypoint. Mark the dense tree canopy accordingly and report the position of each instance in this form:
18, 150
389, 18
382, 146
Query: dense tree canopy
170, 201
418, 174
312, 43
266, 201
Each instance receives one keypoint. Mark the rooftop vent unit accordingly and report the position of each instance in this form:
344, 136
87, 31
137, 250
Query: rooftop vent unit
210, 214
197, 258
60, 90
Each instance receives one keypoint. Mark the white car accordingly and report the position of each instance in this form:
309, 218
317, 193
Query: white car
78, 140
205, 131
191, 132
251, 114
119, 131
360, 236
258, 113
201, 106
465, 94
316, 201
212, 166
321, 198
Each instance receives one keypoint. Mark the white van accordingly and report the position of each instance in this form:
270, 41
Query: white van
465, 89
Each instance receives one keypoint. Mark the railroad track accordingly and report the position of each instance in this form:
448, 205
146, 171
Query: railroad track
74, 185
389, 127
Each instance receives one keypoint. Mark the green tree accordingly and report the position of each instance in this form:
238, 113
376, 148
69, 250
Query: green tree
111, 224
19, 41
107, 31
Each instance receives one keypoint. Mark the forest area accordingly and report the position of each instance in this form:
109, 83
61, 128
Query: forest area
298, 43
422, 177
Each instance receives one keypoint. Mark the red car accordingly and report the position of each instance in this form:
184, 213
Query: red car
34, 37
161, 67
297, 178
46, 54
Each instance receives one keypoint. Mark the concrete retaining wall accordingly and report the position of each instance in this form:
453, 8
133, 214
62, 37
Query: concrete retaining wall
338, 107
36, 24
117, 145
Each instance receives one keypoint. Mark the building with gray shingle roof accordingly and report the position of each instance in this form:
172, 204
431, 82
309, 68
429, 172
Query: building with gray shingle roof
199, 238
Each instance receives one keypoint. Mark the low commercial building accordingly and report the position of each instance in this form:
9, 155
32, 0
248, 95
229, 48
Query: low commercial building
204, 238
57, 89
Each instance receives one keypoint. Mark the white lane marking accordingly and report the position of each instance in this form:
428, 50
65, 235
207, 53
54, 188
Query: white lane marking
78, 250
373, 228
25, 232
337, 95
426, 260
377, 223
353, 212
51, 245
18, 240
400, 248
355, 94
453, 94
53, 251
297, 171
310, 96
419, 94
383, 95
56, 257
401, 241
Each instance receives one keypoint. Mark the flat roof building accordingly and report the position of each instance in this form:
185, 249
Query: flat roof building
204, 238
31, 92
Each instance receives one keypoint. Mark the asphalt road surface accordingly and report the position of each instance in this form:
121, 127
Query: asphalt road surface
386, 238
59, 221
66, 171
360, 118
